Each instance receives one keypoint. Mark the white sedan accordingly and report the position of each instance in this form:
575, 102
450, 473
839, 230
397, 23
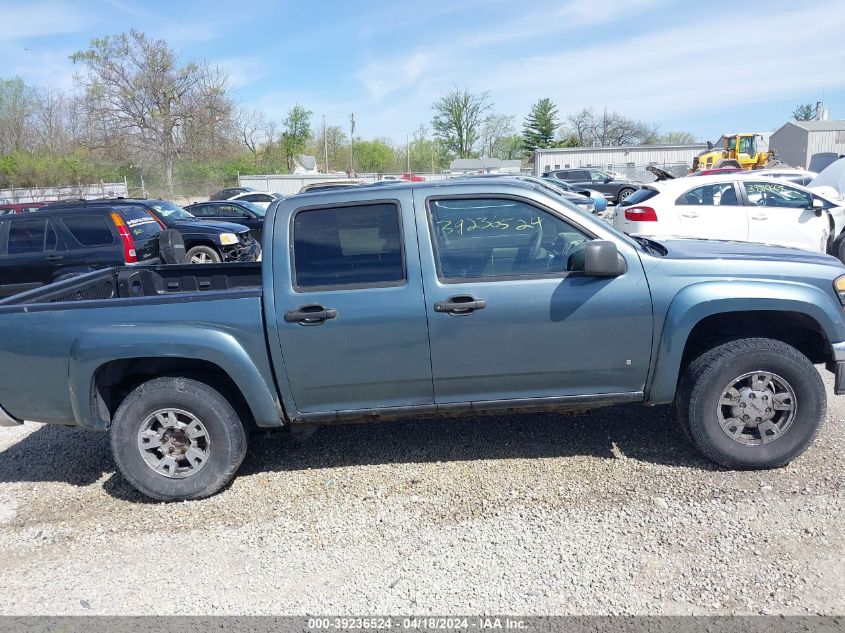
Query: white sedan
260, 198
744, 208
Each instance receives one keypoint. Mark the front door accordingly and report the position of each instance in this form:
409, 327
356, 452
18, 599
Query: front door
511, 314
783, 215
349, 306
32, 255
712, 212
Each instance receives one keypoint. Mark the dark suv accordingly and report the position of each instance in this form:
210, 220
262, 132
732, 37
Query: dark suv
45, 246
614, 190
206, 241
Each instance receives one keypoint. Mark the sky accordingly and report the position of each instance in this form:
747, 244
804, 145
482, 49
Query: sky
706, 67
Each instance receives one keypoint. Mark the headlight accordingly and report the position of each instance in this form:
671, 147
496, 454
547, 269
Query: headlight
228, 238
839, 288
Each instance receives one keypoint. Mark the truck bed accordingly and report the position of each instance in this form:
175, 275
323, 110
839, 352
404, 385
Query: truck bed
142, 281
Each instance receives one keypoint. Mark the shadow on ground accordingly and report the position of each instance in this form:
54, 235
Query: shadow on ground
650, 435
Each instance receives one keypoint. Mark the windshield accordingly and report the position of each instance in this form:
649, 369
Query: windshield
256, 209
170, 211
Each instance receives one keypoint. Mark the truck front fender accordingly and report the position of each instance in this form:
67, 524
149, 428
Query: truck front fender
95, 347
701, 300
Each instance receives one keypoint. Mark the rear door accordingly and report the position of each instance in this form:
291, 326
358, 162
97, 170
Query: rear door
534, 327
349, 306
713, 211
31, 254
784, 215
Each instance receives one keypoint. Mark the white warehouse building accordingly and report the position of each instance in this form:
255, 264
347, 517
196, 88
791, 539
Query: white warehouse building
630, 160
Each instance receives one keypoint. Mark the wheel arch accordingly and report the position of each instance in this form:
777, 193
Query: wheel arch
710, 313
107, 363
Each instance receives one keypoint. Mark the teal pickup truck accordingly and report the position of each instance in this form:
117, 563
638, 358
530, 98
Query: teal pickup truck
422, 300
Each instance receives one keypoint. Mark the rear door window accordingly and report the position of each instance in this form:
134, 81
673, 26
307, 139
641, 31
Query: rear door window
721, 194
348, 246
89, 230
141, 223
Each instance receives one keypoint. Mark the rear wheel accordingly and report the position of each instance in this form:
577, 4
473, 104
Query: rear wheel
202, 255
623, 194
175, 439
753, 403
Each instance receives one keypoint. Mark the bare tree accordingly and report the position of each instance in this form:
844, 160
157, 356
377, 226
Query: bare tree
458, 118
137, 87
582, 124
251, 127
495, 128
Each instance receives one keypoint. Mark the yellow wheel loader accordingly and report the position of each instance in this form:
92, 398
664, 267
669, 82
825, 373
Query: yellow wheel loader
741, 151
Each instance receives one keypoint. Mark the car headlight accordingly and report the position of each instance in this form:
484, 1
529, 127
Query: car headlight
839, 287
228, 238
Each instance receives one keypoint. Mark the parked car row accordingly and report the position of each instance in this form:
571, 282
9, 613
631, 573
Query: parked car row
764, 206
63, 239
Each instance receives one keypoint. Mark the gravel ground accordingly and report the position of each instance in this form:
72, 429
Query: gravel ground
592, 514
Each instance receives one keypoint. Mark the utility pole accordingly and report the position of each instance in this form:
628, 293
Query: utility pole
408, 151
325, 147
352, 144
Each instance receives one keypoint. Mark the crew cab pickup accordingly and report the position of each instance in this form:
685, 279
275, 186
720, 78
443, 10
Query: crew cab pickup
422, 300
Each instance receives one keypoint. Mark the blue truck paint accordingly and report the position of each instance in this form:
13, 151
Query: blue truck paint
576, 340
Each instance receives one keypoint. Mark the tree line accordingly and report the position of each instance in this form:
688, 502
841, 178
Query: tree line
138, 111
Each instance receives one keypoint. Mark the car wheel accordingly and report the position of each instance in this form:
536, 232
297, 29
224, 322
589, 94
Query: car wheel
752, 403
837, 249
176, 439
623, 193
202, 255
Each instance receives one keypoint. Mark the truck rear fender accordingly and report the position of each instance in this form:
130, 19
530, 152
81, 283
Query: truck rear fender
96, 347
702, 300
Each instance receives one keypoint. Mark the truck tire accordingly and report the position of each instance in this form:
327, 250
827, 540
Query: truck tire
623, 194
176, 439
751, 404
202, 255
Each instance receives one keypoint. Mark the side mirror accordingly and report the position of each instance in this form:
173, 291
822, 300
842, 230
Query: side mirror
608, 179
602, 259
818, 207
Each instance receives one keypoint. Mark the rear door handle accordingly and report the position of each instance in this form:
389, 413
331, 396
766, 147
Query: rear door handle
690, 214
310, 315
54, 258
460, 305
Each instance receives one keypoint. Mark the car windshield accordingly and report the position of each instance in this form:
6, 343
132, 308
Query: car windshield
170, 211
256, 209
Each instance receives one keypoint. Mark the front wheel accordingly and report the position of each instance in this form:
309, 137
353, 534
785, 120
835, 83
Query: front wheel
202, 255
175, 439
753, 403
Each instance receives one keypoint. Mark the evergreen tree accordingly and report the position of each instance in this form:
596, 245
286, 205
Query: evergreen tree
540, 125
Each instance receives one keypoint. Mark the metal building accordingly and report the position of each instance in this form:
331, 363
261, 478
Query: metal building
630, 160
796, 142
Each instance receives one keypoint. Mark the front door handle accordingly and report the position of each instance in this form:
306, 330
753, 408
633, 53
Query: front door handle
54, 258
460, 305
760, 216
310, 315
